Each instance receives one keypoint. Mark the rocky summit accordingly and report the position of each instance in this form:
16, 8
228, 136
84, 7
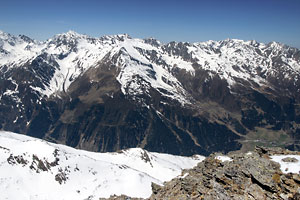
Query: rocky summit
254, 175
116, 92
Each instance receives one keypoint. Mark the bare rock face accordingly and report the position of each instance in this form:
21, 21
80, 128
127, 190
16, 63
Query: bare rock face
244, 176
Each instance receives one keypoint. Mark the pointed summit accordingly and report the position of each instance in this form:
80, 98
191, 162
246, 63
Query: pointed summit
69, 39
123, 37
70, 34
4, 35
152, 41
26, 38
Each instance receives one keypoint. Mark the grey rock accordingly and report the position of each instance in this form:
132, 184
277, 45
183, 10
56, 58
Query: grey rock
288, 159
247, 176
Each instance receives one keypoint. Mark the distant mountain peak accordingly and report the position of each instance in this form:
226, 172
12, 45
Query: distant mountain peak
71, 33
6, 36
234, 40
26, 38
123, 37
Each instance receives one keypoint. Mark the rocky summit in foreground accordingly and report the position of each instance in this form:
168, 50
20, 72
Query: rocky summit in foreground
263, 174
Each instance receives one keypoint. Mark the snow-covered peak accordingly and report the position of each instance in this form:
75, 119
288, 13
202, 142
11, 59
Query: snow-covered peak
115, 38
17, 50
76, 174
14, 40
67, 42
27, 39
233, 40
232, 58
228, 43
152, 41
139, 72
4, 35
8, 38
252, 43
123, 37
275, 45
70, 34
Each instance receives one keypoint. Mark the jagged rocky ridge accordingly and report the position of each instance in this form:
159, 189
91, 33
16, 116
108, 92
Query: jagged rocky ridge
114, 92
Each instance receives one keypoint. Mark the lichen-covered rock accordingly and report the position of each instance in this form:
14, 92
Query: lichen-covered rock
245, 176
288, 159
122, 197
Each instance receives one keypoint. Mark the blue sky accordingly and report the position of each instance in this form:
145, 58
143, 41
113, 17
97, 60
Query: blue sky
166, 20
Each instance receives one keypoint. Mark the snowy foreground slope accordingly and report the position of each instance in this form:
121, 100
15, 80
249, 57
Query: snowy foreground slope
34, 169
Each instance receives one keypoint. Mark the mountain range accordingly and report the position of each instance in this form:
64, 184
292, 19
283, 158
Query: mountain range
115, 92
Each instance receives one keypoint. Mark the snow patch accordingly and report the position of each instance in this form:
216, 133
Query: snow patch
290, 165
223, 158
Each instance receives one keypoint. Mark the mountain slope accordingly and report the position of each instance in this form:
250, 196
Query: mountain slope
34, 169
114, 92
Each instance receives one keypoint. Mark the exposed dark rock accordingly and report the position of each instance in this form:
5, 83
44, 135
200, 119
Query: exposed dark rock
62, 176
17, 160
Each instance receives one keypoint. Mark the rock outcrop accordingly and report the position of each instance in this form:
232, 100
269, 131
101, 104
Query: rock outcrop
242, 176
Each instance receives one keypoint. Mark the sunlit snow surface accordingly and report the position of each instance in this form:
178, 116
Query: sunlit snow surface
288, 167
88, 174
223, 158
